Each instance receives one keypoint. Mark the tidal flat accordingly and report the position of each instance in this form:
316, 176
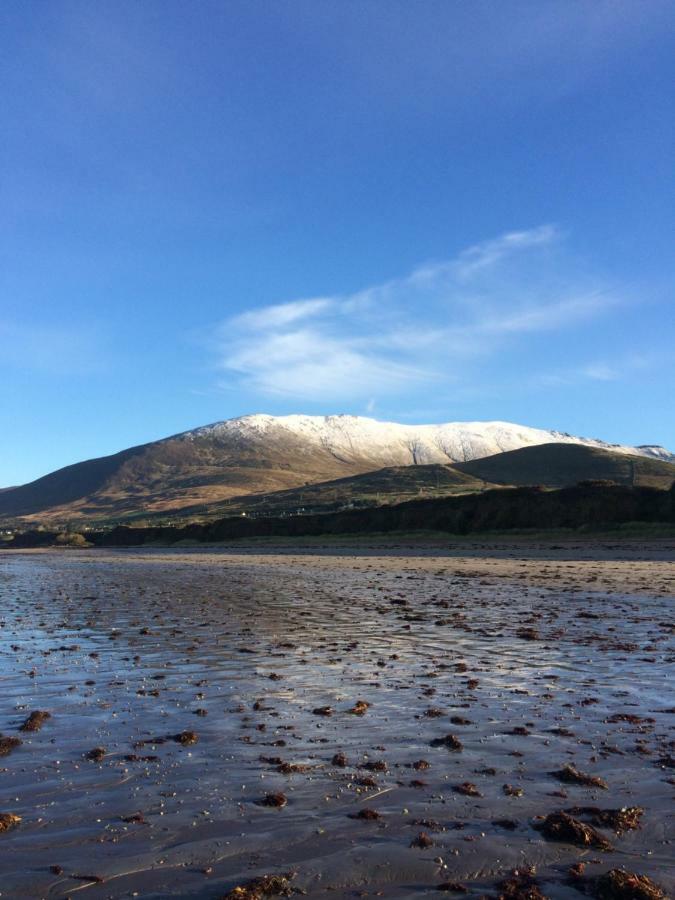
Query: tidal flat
483, 720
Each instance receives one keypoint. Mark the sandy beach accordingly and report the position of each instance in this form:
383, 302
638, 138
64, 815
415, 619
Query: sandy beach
376, 722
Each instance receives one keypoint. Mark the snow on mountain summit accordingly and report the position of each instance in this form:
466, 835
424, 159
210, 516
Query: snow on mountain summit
348, 437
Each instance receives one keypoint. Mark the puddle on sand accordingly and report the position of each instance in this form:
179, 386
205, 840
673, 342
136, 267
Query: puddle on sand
265, 661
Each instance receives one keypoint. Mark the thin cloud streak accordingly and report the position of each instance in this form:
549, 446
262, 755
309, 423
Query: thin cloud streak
598, 370
488, 253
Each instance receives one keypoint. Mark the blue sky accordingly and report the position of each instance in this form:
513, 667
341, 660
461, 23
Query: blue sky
427, 211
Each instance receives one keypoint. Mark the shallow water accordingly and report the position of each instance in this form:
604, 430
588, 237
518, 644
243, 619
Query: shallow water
124, 649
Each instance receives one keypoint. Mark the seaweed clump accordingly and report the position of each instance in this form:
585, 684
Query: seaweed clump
619, 820
423, 841
264, 886
7, 744
617, 884
366, 815
96, 755
276, 801
571, 775
8, 821
449, 740
520, 885
468, 788
35, 720
560, 826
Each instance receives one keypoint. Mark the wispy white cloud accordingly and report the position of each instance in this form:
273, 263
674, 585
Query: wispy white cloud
488, 253
552, 315
423, 328
598, 370
308, 362
282, 314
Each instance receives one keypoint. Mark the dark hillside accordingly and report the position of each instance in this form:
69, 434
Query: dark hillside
562, 465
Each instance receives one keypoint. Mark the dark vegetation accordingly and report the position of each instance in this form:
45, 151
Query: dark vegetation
592, 505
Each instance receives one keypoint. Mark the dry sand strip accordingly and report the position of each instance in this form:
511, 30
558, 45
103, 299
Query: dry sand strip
636, 567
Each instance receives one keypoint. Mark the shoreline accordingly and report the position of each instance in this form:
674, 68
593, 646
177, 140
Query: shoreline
639, 567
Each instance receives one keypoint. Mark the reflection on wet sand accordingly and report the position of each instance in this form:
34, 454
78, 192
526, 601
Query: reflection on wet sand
374, 724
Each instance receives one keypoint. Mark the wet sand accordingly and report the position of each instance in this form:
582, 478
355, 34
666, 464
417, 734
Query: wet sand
483, 670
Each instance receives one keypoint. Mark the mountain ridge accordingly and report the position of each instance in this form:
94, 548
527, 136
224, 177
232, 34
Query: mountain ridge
262, 453
260, 423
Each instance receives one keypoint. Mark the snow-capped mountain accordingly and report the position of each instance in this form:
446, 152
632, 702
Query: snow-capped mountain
262, 453
393, 444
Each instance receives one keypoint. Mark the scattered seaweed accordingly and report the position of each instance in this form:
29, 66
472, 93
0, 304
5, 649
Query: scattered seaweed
429, 824
560, 826
135, 819
366, 815
617, 884
571, 775
186, 738
422, 841
520, 885
35, 720
275, 800
8, 821
467, 788
287, 768
619, 820
264, 886
450, 741
375, 765
511, 790
8, 743
97, 754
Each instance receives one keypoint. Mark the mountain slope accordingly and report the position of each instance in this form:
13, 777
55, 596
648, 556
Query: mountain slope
394, 484
562, 465
261, 453
550, 465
